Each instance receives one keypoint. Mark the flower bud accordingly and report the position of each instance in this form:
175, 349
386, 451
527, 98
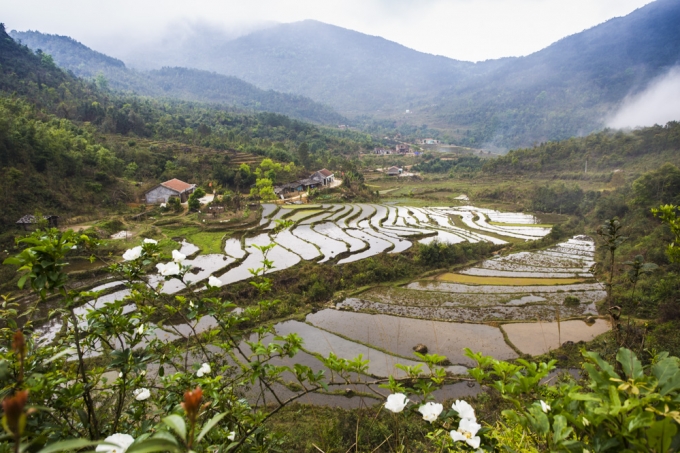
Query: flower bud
14, 419
19, 344
192, 403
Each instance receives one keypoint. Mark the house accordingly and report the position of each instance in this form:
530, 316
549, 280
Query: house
402, 149
318, 179
429, 141
382, 151
172, 188
323, 177
394, 171
30, 222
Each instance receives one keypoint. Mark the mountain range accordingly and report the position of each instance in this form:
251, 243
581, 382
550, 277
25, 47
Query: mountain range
174, 82
564, 90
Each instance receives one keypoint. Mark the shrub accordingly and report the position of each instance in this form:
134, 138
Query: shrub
572, 301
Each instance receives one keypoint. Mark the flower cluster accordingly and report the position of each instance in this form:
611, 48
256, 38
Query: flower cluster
468, 426
203, 370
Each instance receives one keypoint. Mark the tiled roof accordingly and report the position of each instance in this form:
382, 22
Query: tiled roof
177, 185
325, 172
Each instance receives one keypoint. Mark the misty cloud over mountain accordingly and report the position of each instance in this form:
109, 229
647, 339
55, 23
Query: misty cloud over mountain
657, 104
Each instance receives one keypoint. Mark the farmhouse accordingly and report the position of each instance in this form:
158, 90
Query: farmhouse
394, 171
318, 179
30, 222
172, 188
323, 177
402, 149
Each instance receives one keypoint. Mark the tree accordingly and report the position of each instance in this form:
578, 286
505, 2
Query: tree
194, 199
303, 154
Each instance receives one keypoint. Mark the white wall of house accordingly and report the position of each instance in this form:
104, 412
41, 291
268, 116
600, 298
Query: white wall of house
159, 195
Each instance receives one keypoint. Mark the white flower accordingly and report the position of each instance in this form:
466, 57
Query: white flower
431, 411
123, 441
163, 205
465, 411
203, 370
140, 329
545, 407
467, 430
120, 375
585, 421
214, 281
168, 269
143, 373
150, 241
133, 253
141, 394
396, 402
178, 257
232, 435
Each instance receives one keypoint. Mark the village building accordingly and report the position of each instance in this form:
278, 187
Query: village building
402, 149
168, 189
30, 222
394, 171
323, 177
318, 179
429, 141
382, 151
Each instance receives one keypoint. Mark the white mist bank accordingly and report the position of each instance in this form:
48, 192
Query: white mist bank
659, 103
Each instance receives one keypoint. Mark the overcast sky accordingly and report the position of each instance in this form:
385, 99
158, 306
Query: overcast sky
471, 30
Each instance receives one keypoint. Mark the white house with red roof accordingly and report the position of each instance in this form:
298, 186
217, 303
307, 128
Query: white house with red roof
172, 188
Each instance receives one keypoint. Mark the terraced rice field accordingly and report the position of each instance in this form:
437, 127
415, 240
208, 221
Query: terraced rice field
503, 306
536, 287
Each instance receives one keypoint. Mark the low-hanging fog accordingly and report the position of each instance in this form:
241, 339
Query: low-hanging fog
659, 103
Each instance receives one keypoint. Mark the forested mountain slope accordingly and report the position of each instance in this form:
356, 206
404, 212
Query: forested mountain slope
570, 87
67, 147
178, 83
605, 152
566, 89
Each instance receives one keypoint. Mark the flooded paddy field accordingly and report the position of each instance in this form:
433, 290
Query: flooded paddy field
501, 307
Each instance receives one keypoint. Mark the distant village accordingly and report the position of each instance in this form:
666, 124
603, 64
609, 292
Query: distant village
405, 149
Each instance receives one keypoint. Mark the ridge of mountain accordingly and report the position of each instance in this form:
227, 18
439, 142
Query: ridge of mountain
181, 83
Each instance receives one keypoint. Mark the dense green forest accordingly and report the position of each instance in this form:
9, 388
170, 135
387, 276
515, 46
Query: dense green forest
67, 146
459, 164
604, 151
173, 82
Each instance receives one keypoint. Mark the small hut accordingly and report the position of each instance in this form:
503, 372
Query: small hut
30, 222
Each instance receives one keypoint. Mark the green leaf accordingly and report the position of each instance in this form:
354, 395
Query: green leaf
153, 445
641, 420
177, 424
660, 435
60, 354
72, 445
22, 281
209, 425
560, 429
630, 363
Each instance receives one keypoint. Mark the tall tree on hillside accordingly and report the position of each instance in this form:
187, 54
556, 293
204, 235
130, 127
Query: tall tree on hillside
303, 154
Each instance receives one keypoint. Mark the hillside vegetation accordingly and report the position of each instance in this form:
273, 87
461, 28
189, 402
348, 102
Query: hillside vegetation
68, 147
173, 82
